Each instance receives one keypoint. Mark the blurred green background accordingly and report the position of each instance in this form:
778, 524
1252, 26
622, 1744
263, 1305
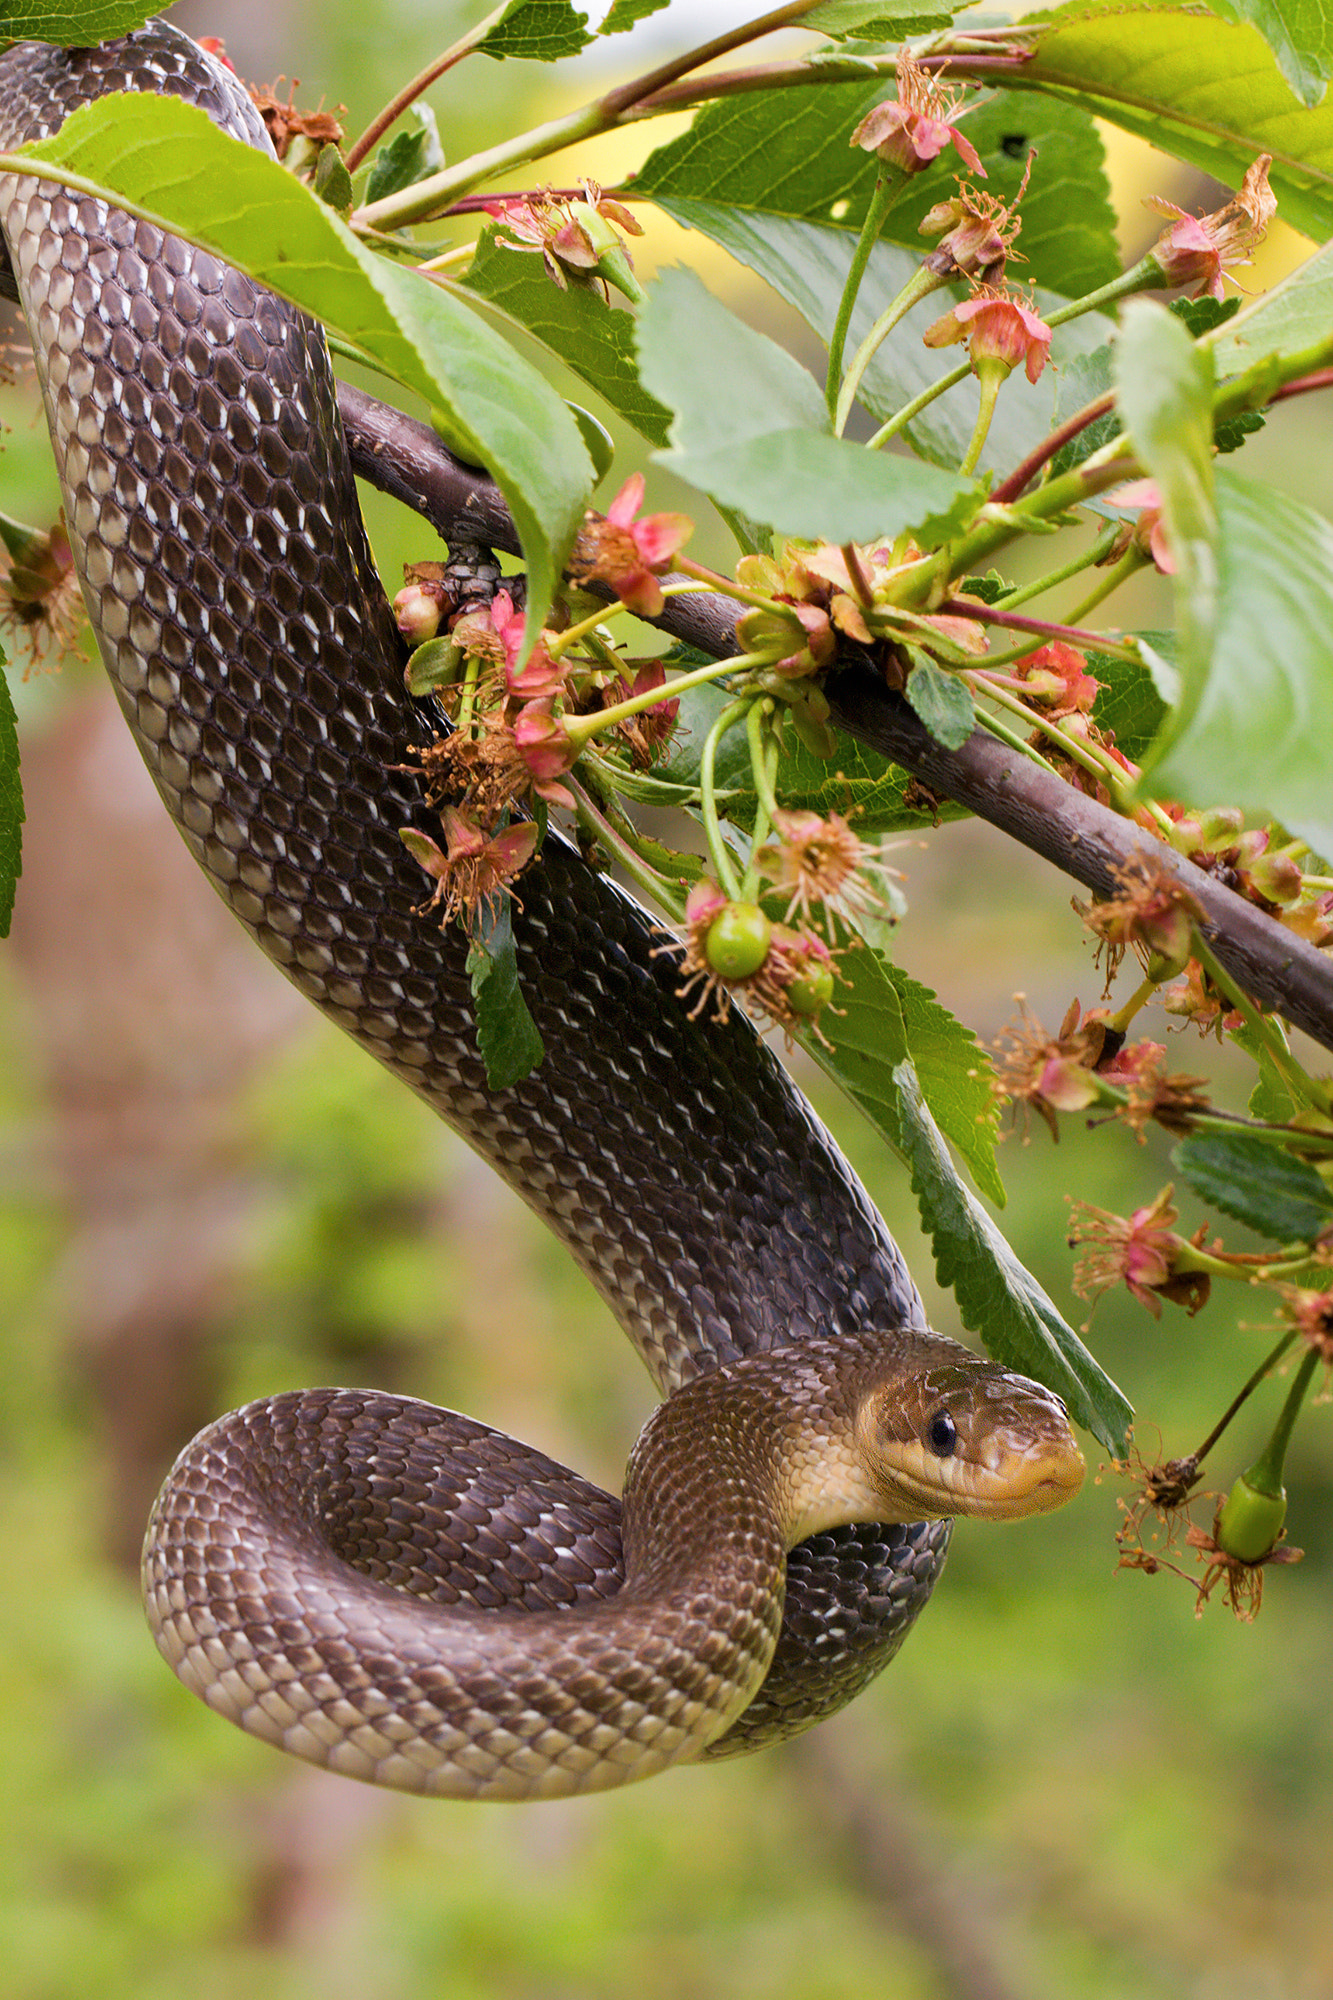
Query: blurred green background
1065, 1786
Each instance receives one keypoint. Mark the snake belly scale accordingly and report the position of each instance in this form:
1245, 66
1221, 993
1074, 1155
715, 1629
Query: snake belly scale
382, 1587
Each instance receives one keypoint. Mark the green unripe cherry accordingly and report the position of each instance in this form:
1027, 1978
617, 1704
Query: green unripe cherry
737, 941
1250, 1521
812, 989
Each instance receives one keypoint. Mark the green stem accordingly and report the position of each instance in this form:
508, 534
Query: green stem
917, 405
558, 646
763, 765
1265, 1475
581, 728
1145, 276
991, 376
887, 188
410, 92
1303, 1089
598, 823
430, 196
471, 672
1074, 567
921, 283
717, 848
1014, 740
1242, 1396
1131, 561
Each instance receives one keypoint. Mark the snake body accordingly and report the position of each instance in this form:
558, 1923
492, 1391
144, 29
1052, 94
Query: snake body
318, 1567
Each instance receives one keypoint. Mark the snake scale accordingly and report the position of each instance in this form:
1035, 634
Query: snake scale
386, 1588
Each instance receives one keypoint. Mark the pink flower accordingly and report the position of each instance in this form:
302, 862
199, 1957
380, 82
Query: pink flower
911, 131
997, 329
1149, 529
547, 750
1057, 677
474, 869
627, 553
1195, 250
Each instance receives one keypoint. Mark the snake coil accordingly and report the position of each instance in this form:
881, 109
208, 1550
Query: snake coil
316, 1562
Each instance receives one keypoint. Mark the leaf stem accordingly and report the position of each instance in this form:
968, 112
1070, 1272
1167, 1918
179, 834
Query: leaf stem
717, 848
919, 286
410, 92
1302, 1087
582, 728
888, 186
1074, 567
1243, 1395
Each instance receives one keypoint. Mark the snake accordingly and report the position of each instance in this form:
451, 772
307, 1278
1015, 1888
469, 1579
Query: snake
394, 1591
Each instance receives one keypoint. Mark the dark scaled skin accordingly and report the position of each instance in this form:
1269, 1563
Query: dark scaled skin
213, 516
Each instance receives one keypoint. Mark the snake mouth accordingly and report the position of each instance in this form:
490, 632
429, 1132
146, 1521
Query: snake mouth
1016, 1485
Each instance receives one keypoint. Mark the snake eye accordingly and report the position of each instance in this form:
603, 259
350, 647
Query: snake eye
942, 1434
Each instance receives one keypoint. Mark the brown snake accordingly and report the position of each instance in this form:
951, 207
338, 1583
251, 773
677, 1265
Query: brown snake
376, 1585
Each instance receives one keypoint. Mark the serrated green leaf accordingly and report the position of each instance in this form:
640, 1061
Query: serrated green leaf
807, 263
1293, 318
1298, 33
750, 428
1270, 1191
408, 157
1270, 1099
71, 26
537, 31
626, 14
751, 164
11, 806
1192, 85
998, 1299
885, 1017
592, 338
1254, 728
1128, 707
870, 18
855, 781
166, 161
943, 701
507, 1036
1164, 393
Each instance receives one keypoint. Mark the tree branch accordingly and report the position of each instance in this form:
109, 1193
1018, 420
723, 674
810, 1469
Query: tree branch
1077, 835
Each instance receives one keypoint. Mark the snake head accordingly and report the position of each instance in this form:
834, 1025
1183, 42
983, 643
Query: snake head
968, 1437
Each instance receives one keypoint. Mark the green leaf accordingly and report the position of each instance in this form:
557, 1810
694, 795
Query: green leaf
855, 781
748, 165
1254, 730
408, 157
1270, 1191
11, 806
1164, 391
592, 338
507, 1036
597, 440
1128, 706
870, 18
626, 14
883, 1017
998, 1299
943, 701
72, 26
538, 31
1192, 85
1297, 32
750, 428
1294, 318
1270, 1099
166, 161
